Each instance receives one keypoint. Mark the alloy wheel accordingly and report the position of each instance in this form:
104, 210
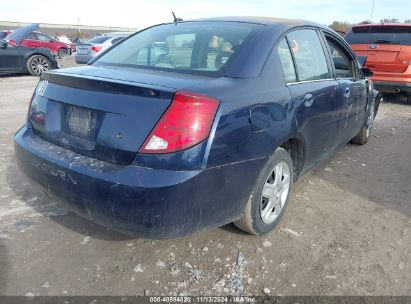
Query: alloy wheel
39, 65
275, 193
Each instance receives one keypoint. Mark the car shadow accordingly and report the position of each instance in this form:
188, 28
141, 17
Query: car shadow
231, 228
37, 198
394, 98
354, 170
4, 267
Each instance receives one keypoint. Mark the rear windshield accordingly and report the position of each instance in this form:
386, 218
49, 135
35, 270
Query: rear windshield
188, 47
380, 35
3, 34
99, 39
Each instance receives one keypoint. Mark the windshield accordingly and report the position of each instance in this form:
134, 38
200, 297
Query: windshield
99, 39
189, 47
380, 35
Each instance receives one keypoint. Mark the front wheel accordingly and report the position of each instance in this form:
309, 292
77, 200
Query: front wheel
365, 132
63, 53
37, 64
270, 195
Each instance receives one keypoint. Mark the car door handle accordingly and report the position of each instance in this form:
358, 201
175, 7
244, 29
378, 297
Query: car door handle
308, 99
347, 92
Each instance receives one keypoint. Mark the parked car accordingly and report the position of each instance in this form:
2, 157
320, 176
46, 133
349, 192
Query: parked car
88, 50
388, 48
215, 130
40, 40
15, 58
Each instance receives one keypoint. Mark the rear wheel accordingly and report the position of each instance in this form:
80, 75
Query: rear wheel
270, 195
408, 98
365, 132
37, 64
63, 53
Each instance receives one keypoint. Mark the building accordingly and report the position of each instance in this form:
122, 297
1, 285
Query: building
68, 30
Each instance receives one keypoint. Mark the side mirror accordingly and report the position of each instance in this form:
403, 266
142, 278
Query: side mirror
362, 60
3, 44
367, 72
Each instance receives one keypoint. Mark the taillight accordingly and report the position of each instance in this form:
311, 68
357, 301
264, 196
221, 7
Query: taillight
186, 122
96, 48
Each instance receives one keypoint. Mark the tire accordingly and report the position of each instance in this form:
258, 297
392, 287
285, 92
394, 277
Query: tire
378, 99
365, 132
256, 219
37, 64
63, 52
408, 98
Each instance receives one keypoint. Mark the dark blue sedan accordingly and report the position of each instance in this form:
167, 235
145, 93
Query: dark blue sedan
187, 126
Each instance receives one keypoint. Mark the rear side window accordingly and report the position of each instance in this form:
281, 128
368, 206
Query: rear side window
3, 34
97, 40
380, 35
286, 61
31, 36
189, 47
309, 55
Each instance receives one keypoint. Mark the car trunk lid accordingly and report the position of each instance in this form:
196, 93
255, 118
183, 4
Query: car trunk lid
83, 48
103, 118
383, 57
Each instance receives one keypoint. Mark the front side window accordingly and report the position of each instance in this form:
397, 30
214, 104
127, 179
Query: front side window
286, 61
189, 47
343, 63
309, 55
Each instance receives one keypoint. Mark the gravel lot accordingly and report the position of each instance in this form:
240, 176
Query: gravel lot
347, 230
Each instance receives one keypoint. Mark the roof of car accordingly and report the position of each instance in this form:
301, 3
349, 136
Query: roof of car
262, 20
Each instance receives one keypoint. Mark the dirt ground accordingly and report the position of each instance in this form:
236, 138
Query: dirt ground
347, 230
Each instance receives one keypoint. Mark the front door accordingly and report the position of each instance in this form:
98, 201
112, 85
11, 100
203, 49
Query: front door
353, 90
314, 94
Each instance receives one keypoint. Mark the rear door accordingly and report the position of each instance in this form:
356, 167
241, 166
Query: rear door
387, 47
314, 93
353, 88
11, 59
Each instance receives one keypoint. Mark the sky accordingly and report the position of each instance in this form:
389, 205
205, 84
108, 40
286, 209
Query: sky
140, 14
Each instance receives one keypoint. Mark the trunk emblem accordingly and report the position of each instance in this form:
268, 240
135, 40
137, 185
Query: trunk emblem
373, 46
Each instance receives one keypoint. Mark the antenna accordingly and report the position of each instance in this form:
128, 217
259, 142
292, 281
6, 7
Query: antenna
372, 10
176, 20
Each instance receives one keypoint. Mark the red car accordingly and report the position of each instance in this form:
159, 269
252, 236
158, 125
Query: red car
40, 40
388, 51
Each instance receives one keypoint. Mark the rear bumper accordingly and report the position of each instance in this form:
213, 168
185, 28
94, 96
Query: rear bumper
152, 203
83, 59
388, 82
392, 87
